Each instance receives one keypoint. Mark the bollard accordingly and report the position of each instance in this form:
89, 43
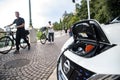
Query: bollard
32, 36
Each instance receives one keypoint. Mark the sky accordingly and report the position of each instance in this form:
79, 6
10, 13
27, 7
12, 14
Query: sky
42, 11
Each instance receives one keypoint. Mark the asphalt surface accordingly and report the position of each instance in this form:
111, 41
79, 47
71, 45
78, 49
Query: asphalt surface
36, 64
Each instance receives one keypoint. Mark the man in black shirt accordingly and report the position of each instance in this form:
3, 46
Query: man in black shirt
20, 33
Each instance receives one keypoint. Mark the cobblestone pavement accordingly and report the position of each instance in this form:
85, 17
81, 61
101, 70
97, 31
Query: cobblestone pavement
36, 64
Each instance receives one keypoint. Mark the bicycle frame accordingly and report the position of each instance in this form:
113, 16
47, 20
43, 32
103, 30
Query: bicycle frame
10, 34
8, 37
46, 34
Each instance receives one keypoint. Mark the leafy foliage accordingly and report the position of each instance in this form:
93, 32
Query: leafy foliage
101, 10
113, 7
39, 33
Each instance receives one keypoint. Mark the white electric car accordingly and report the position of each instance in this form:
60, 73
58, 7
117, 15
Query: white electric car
93, 53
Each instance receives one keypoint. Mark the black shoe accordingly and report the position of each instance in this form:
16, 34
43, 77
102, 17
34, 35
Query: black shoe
28, 47
16, 52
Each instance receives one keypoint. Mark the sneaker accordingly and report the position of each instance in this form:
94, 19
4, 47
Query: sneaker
29, 47
16, 52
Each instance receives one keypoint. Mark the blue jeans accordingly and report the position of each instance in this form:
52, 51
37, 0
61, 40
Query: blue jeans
51, 37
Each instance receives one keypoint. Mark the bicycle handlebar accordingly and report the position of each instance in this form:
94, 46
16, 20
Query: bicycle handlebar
8, 28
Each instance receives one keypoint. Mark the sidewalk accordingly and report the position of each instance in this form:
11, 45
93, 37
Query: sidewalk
37, 64
53, 75
59, 33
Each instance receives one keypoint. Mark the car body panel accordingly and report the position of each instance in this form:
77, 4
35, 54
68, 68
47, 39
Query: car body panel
112, 32
70, 40
106, 61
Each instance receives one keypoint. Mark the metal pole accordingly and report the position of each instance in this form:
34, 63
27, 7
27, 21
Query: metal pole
88, 6
30, 19
32, 30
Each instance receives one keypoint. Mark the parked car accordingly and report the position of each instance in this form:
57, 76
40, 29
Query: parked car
93, 53
116, 20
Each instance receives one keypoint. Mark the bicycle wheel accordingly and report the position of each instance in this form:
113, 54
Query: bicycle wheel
23, 44
6, 44
43, 39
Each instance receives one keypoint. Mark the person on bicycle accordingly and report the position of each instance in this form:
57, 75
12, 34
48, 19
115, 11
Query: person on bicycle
20, 33
50, 32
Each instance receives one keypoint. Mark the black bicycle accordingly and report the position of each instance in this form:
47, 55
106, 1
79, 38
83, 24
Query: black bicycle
44, 35
7, 41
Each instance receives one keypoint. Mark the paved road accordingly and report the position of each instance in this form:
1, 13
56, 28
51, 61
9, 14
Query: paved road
36, 64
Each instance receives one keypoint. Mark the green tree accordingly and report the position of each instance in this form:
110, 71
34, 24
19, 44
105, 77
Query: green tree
83, 10
101, 10
56, 26
113, 7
